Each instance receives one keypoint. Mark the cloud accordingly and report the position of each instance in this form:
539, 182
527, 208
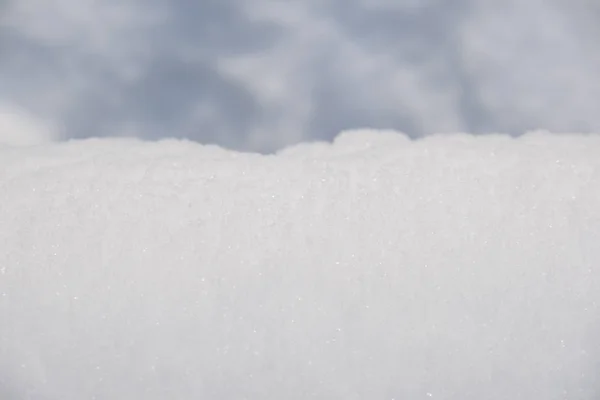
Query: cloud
71, 68
20, 128
538, 73
263, 74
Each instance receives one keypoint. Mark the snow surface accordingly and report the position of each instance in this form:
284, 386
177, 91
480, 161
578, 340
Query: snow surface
376, 267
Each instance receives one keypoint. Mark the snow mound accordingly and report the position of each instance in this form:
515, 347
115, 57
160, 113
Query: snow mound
375, 267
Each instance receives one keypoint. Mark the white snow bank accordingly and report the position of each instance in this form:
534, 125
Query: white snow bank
453, 267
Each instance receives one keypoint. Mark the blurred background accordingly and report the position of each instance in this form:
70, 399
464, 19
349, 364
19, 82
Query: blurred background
258, 75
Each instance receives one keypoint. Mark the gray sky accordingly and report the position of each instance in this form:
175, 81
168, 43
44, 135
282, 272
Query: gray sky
262, 74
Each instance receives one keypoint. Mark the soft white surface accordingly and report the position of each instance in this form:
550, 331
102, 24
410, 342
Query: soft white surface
371, 268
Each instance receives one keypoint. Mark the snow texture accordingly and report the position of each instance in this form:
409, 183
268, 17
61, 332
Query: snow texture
374, 267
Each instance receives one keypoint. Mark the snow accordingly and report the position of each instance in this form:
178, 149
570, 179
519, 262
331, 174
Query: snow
373, 267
